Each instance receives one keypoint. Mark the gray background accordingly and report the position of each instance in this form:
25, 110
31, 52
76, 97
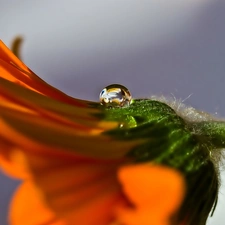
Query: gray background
154, 47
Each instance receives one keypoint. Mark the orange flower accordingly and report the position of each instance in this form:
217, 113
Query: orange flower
72, 173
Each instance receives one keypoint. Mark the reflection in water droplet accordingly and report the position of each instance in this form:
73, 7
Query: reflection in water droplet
115, 95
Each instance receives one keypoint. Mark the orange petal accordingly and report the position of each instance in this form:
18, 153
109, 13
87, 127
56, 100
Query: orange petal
35, 123
12, 69
16, 98
22, 97
13, 162
28, 208
155, 192
68, 193
35, 134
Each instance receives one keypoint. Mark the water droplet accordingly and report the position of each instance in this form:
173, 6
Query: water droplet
115, 95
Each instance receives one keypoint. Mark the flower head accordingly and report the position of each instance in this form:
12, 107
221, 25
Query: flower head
84, 163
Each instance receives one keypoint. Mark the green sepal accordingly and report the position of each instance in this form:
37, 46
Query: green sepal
176, 142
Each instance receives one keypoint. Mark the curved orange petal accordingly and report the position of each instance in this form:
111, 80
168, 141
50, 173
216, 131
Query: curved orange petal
27, 203
34, 134
45, 106
68, 191
89, 194
12, 161
41, 130
33, 122
155, 192
12, 69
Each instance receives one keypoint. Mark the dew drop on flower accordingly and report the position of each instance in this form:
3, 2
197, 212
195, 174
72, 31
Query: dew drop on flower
115, 95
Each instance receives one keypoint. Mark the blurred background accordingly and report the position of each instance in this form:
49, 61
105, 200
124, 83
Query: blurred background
153, 47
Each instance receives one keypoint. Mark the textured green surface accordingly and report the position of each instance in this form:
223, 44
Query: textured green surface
190, 147
169, 138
